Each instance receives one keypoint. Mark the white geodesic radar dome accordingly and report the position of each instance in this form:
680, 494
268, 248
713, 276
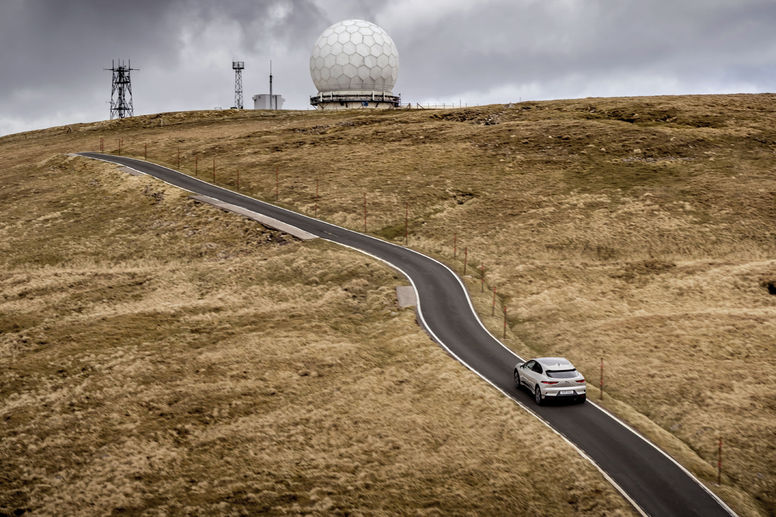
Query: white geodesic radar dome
354, 55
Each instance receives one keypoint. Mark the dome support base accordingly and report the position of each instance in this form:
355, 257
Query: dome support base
355, 100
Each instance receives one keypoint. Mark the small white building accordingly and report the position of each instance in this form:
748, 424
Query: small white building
262, 101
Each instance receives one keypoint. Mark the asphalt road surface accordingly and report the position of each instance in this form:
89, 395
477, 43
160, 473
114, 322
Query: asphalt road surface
652, 482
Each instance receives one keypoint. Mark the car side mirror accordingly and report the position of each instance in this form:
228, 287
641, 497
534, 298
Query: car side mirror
520, 364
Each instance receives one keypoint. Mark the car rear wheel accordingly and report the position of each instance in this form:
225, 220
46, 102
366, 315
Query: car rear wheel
517, 379
538, 396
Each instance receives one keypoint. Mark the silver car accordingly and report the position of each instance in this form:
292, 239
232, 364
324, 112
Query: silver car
551, 377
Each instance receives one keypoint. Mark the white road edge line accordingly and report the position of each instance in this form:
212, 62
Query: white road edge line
671, 458
441, 343
616, 419
476, 316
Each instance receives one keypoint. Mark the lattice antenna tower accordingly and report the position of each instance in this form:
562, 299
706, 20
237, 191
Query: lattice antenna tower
238, 67
121, 92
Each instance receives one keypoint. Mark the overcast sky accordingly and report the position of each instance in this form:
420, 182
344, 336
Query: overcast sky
53, 52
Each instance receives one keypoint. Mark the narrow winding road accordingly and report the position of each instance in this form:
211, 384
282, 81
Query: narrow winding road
654, 483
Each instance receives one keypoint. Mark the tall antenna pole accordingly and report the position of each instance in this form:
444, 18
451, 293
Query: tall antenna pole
272, 104
121, 105
238, 67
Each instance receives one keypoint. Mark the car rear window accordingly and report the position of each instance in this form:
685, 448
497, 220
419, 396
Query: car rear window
561, 374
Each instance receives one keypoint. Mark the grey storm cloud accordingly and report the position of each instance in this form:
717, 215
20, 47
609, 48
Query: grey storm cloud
50, 43
544, 41
282, 22
53, 52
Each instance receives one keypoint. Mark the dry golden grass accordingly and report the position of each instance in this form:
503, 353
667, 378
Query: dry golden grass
161, 356
639, 229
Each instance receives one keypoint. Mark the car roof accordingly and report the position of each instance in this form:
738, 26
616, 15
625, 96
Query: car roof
558, 362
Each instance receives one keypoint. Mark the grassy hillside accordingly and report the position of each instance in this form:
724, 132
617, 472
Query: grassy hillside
639, 230
161, 356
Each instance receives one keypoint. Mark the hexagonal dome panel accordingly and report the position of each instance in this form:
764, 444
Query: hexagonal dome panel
355, 60
350, 71
376, 73
354, 55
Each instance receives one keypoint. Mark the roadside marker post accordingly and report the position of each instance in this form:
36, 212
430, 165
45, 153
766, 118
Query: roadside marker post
465, 259
719, 462
145, 151
493, 307
364, 212
316, 197
179, 157
119, 145
482, 278
196, 165
505, 322
277, 185
102, 148
601, 387
238, 178
214, 170
406, 222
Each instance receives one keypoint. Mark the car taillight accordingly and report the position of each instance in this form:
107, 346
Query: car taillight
549, 382
580, 380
